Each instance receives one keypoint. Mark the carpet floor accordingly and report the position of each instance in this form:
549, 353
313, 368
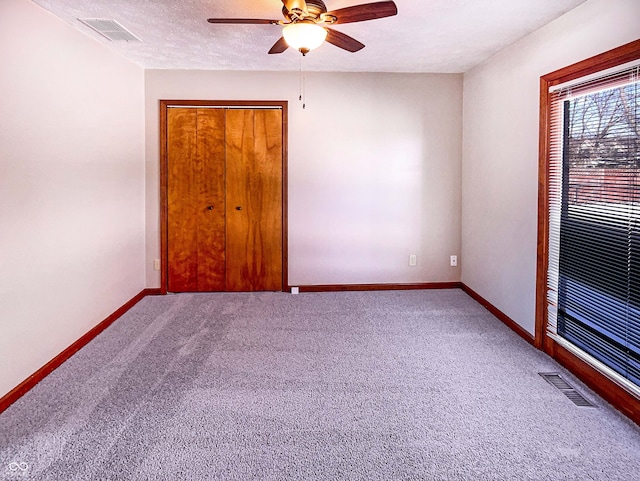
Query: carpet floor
407, 385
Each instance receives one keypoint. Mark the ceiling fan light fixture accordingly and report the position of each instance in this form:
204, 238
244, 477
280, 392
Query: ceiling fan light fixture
304, 36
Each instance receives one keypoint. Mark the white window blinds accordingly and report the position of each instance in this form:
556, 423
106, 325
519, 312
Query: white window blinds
593, 291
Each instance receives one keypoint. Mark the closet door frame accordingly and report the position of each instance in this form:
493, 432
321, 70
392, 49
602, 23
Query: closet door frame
164, 207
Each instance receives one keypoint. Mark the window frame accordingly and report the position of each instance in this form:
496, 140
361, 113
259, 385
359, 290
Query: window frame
615, 394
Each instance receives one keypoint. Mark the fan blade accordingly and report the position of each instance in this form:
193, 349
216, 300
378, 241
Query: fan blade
279, 47
360, 13
251, 21
343, 41
292, 5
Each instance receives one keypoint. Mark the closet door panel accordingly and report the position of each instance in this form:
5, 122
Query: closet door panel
268, 138
254, 200
182, 199
210, 167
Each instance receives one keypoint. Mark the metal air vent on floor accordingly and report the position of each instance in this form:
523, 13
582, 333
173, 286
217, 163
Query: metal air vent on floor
110, 29
556, 380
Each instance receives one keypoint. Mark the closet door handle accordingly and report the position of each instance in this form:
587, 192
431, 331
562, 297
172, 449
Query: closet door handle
239, 207
210, 207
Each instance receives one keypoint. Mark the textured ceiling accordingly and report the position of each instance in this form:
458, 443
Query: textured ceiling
445, 36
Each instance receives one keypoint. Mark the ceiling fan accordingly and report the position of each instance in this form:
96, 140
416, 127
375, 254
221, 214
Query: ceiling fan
306, 24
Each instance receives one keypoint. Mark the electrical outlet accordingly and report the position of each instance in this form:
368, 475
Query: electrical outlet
413, 260
156, 264
454, 261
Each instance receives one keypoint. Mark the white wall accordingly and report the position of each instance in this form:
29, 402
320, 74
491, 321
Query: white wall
374, 169
500, 149
71, 186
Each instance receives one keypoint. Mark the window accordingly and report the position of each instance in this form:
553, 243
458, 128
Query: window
597, 289
589, 218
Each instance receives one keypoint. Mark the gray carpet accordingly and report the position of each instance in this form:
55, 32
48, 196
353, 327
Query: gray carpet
328, 386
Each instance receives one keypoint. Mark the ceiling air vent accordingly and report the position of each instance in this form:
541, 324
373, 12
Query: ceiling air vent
110, 29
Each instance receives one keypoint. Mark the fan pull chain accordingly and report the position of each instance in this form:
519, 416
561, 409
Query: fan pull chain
302, 84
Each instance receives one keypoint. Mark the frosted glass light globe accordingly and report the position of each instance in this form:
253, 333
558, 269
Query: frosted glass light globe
304, 36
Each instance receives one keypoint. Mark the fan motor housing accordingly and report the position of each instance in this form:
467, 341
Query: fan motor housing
314, 7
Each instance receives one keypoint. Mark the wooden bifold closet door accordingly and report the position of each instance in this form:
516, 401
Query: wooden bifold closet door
224, 199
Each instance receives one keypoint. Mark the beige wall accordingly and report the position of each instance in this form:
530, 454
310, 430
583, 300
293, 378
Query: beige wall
71, 186
374, 169
500, 149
